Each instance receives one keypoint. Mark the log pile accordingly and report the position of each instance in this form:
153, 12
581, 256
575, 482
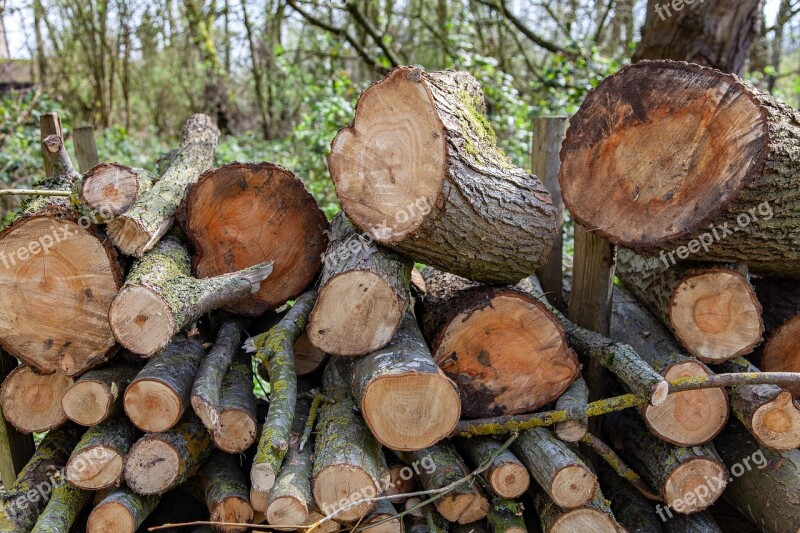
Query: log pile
403, 398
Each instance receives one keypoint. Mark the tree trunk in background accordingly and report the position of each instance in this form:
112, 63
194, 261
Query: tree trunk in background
713, 33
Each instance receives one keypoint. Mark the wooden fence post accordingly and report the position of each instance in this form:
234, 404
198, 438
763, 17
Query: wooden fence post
85, 148
49, 124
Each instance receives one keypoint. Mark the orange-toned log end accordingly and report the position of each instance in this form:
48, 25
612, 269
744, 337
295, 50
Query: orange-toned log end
781, 353
657, 150
232, 510
777, 423
31, 402
509, 480
152, 406
110, 189
307, 357
218, 216
715, 314
689, 418
88, 402
688, 478
584, 519
507, 354
57, 281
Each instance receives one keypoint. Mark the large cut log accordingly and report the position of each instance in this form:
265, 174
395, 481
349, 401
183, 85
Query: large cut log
159, 462
160, 296
31, 402
405, 399
687, 160
52, 259
98, 459
109, 189
361, 283
680, 475
226, 492
556, 468
122, 511
140, 228
712, 310
595, 516
781, 302
237, 409
66, 502
347, 468
504, 350
764, 485
432, 182
506, 475
217, 217
159, 395
97, 394
686, 418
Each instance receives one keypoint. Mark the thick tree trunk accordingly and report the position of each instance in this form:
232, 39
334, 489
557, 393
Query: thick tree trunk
595, 516
781, 302
97, 461
62, 509
713, 310
504, 350
556, 468
713, 33
226, 492
687, 418
721, 151
405, 399
109, 189
432, 183
347, 466
575, 397
160, 297
290, 231
361, 283
140, 228
159, 462
97, 394
237, 416
159, 395
506, 516
506, 474
53, 259
31, 402
122, 511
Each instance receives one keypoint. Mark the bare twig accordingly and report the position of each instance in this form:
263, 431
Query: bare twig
618, 465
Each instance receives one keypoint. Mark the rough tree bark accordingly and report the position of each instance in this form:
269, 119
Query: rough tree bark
31, 402
122, 511
577, 397
97, 394
237, 409
98, 459
506, 516
66, 502
226, 492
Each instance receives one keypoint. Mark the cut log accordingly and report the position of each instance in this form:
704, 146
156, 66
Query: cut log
140, 228
160, 296
237, 415
347, 468
384, 518
122, 511
781, 302
576, 397
556, 468
505, 516
506, 474
401, 482
159, 462
217, 217
331, 526
595, 516
31, 402
97, 394
206, 394
258, 501
226, 492
432, 183
62, 509
159, 395
686, 418
713, 310
110, 189
721, 151
39, 477
504, 350
307, 357
97, 461
440, 466
54, 260
764, 484
361, 283
680, 475
405, 399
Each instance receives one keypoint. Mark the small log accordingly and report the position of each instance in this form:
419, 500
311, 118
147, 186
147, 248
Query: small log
160, 296
110, 189
519, 362
140, 228
31, 402
712, 310
401, 482
307, 357
632, 510
258, 501
433, 184
53, 259
347, 467
506, 474
361, 283
217, 217
425, 520
575, 397
405, 399
62, 509
764, 484
386, 514
226, 492
97, 461
159, 462
122, 511
159, 395
726, 158
556, 468
506, 516
440, 466
595, 516
781, 302
97, 395
676, 473
16, 448
686, 418
237, 416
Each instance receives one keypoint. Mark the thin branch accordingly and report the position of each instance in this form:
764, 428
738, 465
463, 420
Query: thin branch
618, 465
359, 17
32, 192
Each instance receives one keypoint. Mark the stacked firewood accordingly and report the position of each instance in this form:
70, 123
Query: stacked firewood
403, 398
